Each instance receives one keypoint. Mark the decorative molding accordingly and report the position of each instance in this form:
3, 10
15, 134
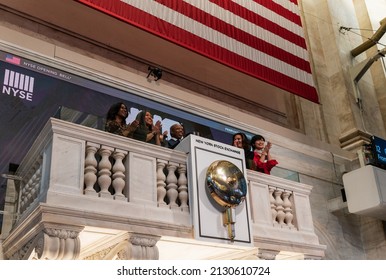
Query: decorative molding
58, 243
354, 139
264, 254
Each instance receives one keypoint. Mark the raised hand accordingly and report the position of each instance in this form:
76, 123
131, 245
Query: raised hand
157, 128
268, 146
133, 126
163, 136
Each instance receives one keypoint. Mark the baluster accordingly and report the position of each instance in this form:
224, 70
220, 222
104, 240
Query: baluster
119, 174
24, 193
171, 187
104, 173
279, 206
182, 188
37, 180
161, 178
287, 209
36, 184
273, 206
90, 169
23, 197
28, 189
31, 187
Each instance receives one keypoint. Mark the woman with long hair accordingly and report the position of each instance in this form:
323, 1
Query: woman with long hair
116, 121
240, 140
147, 131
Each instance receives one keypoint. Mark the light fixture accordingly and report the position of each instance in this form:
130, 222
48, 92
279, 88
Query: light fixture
154, 72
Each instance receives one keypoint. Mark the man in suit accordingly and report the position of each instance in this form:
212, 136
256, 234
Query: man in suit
176, 133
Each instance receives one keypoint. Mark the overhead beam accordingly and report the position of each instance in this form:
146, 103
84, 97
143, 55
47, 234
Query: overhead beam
372, 41
361, 68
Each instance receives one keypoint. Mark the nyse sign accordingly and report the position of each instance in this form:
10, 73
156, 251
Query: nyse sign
218, 146
18, 85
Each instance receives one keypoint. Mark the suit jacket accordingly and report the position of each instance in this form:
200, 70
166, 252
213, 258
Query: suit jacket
173, 142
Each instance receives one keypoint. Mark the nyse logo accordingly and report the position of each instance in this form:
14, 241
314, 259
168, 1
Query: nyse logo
18, 85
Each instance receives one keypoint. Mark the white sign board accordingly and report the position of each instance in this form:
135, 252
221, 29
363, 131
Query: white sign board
207, 213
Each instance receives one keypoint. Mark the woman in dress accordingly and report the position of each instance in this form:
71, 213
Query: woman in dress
262, 157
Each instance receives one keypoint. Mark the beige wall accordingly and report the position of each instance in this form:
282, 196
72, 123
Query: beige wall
332, 61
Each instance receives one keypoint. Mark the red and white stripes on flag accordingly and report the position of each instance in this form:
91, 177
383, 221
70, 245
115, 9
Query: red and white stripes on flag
262, 38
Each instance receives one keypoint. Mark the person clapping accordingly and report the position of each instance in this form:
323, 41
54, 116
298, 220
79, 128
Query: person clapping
149, 132
262, 159
116, 121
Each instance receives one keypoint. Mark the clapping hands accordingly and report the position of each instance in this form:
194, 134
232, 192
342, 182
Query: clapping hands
267, 147
157, 128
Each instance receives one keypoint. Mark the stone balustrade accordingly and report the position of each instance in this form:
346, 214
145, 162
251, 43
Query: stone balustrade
105, 176
75, 176
281, 215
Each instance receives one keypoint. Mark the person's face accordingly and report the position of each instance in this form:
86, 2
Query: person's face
178, 131
238, 141
259, 144
123, 111
148, 118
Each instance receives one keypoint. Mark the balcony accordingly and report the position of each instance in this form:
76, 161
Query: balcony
82, 193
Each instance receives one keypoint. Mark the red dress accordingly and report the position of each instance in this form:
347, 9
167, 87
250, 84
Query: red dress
264, 167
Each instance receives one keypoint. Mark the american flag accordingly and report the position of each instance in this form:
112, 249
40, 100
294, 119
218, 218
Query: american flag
12, 59
262, 38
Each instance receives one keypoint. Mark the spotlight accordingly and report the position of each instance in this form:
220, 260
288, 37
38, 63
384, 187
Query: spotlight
154, 72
